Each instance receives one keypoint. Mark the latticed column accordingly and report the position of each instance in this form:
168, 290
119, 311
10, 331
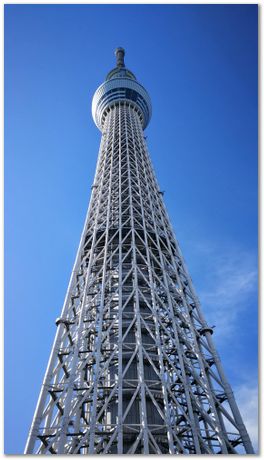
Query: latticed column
133, 368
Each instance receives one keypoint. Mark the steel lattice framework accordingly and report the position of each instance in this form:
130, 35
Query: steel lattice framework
133, 368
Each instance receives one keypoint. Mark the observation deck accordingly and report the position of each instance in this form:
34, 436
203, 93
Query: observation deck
120, 85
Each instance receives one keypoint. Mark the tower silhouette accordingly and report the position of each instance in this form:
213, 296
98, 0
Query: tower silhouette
133, 368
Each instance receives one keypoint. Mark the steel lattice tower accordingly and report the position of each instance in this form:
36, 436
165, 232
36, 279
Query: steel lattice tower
133, 368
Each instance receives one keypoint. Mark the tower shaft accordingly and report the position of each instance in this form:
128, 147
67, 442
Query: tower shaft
133, 368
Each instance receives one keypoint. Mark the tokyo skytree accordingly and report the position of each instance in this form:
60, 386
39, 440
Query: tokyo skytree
133, 368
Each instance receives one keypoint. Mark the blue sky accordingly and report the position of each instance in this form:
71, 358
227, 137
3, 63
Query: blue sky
199, 65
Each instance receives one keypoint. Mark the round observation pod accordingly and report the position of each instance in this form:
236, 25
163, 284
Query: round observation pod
120, 86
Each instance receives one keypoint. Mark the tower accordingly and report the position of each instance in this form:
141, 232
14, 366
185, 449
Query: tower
133, 368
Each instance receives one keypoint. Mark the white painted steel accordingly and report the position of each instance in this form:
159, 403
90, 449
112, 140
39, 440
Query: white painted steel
133, 368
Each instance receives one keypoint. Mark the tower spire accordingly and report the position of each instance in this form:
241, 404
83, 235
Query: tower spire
120, 54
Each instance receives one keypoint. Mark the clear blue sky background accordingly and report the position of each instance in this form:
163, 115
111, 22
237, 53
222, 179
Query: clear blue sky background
199, 64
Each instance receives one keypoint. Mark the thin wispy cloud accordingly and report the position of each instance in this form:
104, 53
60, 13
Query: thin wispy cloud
228, 281
246, 395
247, 400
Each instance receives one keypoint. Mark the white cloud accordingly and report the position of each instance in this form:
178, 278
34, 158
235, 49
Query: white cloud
229, 278
246, 396
247, 399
